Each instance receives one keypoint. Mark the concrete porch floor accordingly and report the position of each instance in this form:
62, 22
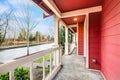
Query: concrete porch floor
74, 69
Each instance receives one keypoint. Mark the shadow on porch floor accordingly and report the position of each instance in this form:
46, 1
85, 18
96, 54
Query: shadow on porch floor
74, 69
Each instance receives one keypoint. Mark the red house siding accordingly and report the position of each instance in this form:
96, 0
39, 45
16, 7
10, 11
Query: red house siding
110, 39
94, 40
80, 39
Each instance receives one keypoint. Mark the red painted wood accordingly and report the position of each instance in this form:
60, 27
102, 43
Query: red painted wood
74, 29
80, 39
94, 40
69, 5
110, 40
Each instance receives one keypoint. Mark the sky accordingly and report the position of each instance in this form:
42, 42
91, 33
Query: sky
17, 7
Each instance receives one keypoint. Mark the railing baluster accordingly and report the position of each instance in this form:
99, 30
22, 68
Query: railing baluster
11, 75
31, 71
54, 60
43, 67
50, 64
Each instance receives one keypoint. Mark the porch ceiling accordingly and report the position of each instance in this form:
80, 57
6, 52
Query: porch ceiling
70, 20
67, 10
70, 5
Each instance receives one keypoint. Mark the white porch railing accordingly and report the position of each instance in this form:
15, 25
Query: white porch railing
12, 65
71, 47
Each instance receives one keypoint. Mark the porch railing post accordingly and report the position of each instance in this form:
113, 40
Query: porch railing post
66, 40
31, 71
43, 67
11, 75
56, 57
56, 38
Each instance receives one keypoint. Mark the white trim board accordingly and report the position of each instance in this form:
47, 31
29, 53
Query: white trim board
73, 25
53, 7
81, 11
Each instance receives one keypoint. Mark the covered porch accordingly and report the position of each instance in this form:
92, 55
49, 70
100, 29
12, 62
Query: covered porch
94, 53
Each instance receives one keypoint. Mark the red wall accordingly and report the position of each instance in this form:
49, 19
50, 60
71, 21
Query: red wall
110, 39
94, 40
80, 39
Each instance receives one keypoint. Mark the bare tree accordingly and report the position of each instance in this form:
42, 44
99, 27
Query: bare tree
12, 30
28, 23
4, 23
38, 36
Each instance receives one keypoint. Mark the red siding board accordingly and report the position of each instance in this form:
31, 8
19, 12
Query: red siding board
112, 22
107, 2
115, 30
110, 40
80, 39
115, 11
94, 40
110, 7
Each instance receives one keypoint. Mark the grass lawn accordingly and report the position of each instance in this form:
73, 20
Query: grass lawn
47, 58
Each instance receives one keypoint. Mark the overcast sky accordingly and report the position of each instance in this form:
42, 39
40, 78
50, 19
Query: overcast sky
45, 26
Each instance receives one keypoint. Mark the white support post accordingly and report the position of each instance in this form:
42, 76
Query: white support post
56, 39
85, 37
31, 71
11, 75
77, 38
43, 67
60, 57
87, 40
66, 41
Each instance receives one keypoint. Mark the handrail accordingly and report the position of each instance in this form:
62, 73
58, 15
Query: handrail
10, 66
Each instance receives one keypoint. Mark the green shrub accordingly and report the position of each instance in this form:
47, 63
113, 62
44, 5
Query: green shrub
20, 73
4, 76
